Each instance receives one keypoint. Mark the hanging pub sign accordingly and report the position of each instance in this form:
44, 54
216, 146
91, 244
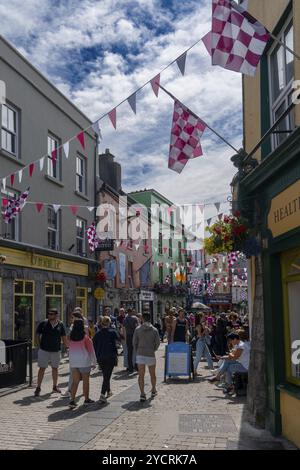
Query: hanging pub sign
105, 245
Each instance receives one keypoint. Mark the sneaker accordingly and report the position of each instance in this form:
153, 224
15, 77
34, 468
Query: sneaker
66, 394
88, 401
153, 393
102, 399
37, 391
56, 390
213, 379
143, 398
72, 405
109, 394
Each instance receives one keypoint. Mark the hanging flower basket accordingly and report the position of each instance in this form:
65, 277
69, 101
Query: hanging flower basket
231, 233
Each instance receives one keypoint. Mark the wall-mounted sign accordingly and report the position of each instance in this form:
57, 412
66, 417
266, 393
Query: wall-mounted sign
105, 245
146, 295
284, 214
99, 293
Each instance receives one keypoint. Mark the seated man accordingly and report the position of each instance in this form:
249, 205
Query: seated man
236, 361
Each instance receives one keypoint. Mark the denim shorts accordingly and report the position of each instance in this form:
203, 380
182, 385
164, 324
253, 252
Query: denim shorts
81, 370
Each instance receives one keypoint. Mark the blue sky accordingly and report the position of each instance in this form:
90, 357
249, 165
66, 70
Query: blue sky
98, 52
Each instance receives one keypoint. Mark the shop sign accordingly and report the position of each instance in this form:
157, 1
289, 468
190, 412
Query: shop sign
99, 293
284, 214
147, 296
105, 245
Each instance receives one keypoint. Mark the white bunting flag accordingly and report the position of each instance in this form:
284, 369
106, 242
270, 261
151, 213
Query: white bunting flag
20, 173
91, 208
56, 207
132, 102
181, 61
167, 265
117, 243
42, 160
97, 129
66, 148
4, 184
137, 247
155, 84
217, 206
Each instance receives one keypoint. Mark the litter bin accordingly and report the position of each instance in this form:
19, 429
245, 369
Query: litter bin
13, 370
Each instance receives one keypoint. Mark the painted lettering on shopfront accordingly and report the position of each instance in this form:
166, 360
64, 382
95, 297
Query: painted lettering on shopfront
284, 213
46, 263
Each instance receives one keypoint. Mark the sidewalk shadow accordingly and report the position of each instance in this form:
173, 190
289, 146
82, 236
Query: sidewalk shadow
68, 414
125, 377
30, 400
137, 405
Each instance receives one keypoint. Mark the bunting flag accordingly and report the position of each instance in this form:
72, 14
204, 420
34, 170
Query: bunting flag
20, 173
14, 206
4, 184
201, 207
181, 61
4, 202
39, 206
56, 207
113, 117
80, 138
12, 179
74, 209
41, 161
66, 148
91, 208
132, 102
220, 216
97, 129
31, 169
92, 237
155, 84
217, 206
209, 222
210, 290
54, 155
237, 40
185, 137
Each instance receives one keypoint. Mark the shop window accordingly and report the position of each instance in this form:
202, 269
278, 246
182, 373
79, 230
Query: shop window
23, 310
291, 280
81, 299
54, 297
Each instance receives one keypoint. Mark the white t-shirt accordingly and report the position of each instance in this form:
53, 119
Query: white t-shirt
244, 358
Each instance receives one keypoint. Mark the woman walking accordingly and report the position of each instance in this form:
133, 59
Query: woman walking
145, 342
203, 340
105, 344
180, 328
82, 358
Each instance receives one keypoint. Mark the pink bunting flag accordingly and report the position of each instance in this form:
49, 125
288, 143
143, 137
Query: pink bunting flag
80, 138
31, 169
155, 84
186, 132
4, 202
12, 179
39, 206
54, 155
74, 209
113, 117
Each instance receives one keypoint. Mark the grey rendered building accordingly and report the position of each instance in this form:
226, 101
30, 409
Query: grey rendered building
45, 261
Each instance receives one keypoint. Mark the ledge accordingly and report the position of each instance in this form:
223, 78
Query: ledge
289, 389
11, 158
83, 196
55, 181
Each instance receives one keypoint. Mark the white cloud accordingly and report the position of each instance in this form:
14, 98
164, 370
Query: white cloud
49, 36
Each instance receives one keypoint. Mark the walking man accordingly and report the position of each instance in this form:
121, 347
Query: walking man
50, 333
130, 324
146, 341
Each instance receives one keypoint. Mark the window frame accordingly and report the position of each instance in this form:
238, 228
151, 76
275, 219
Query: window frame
15, 134
83, 176
83, 299
57, 230
7, 194
61, 297
24, 294
51, 165
83, 239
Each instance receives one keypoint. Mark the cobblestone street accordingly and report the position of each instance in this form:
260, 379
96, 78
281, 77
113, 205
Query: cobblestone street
184, 415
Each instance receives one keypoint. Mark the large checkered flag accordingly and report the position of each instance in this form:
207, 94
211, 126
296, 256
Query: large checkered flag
14, 206
187, 130
92, 237
237, 40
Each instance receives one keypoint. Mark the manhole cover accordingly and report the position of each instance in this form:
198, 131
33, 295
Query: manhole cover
206, 424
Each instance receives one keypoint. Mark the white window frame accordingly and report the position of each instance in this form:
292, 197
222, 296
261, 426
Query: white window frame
7, 194
55, 230
83, 239
54, 167
82, 175
285, 94
9, 131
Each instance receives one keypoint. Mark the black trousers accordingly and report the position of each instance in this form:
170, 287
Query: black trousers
129, 345
107, 366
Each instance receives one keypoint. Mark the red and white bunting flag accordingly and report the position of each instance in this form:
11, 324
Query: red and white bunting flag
54, 155
56, 207
74, 209
39, 206
31, 169
14, 206
155, 84
42, 160
185, 137
20, 173
66, 148
132, 102
181, 61
80, 138
12, 179
237, 40
92, 237
4, 202
113, 117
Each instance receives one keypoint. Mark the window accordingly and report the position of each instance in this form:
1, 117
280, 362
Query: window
54, 166
9, 129
53, 229
54, 297
291, 290
81, 299
281, 66
161, 274
23, 310
81, 174
171, 274
80, 236
130, 274
10, 231
160, 243
170, 248
179, 251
